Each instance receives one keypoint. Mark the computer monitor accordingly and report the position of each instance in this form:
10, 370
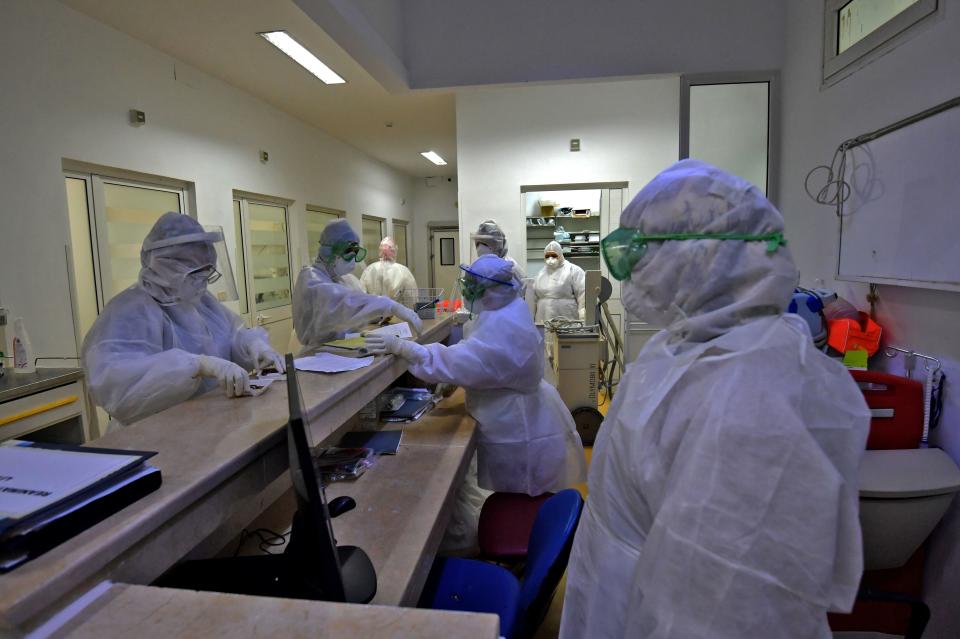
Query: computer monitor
312, 566
342, 573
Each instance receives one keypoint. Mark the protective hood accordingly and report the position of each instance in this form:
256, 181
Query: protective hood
554, 247
702, 288
496, 274
388, 250
490, 234
175, 248
336, 234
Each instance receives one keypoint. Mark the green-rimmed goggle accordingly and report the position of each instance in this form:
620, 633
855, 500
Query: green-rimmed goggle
623, 248
347, 250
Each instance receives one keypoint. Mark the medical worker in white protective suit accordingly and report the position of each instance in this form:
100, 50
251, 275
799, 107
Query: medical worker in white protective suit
387, 277
559, 288
489, 239
528, 442
166, 338
723, 486
324, 307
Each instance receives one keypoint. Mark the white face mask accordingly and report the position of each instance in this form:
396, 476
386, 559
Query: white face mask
483, 249
342, 267
553, 262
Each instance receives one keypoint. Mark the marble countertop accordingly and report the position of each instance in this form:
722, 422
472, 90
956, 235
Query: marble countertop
145, 612
203, 445
17, 385
404, 502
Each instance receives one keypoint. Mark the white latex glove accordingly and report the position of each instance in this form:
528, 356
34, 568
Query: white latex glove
377, 344
234, 380
265, 357
407, 315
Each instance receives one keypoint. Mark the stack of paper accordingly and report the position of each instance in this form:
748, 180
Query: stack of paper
330, 363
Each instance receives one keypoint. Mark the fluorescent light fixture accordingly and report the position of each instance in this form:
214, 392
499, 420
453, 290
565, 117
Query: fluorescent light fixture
300, 55
433, 157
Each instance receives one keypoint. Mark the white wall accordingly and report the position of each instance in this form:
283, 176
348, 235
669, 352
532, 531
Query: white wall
68, 83
502, 41
434, 201
508, 137
918, 74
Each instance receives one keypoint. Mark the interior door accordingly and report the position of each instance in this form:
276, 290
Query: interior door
445, 260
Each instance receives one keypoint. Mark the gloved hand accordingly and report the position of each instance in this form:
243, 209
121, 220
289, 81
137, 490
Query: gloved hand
407, 315
232, 378
382, 344
264, 356
461, 317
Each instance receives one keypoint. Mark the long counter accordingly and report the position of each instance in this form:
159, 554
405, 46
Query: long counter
224, 461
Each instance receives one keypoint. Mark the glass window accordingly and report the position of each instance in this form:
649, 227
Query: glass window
371, 236
317, 220
130, 212
860, 18
728, 128
447, 252
400, 237
240, 259
856, 32
269, 255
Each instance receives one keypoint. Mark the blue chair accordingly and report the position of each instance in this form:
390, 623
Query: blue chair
468, 585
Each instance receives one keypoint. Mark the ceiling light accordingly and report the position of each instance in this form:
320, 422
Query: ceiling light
433, 157
300, 55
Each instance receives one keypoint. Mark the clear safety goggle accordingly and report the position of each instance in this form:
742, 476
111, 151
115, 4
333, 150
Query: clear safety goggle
624, 247
349, 251
210, 273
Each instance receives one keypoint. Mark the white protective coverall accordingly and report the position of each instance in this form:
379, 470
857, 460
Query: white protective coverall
142, 354
386, 277
723, 486
559, 291
324, 307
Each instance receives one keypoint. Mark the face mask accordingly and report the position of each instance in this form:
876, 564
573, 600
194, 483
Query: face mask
553, 262
342, 267
483, 249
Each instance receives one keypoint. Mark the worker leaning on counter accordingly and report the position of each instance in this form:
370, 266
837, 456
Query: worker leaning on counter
167, 338
325, 306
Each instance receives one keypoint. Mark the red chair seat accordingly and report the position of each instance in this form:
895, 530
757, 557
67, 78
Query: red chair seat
506, 521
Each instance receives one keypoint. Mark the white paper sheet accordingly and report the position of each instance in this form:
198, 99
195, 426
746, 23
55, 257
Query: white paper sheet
330, 363
34, 478
401, 330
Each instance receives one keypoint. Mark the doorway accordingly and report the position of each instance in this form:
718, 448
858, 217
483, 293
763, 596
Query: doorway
445, 259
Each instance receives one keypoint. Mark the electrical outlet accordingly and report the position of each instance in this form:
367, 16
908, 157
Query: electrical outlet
575, 144
137, 117
264, 157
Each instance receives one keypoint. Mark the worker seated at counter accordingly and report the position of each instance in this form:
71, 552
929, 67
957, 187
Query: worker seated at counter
325, 307
167, 338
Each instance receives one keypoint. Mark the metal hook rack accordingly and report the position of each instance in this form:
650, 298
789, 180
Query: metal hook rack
930, 363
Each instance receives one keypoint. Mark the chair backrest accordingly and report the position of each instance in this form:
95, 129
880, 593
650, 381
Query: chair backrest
547, 555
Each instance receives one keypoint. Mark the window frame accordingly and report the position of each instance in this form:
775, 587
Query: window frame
256, 316
895, 31
406, 240
372, 252
772, 79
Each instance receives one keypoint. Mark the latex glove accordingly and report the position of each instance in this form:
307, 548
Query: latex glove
408, 316
265, 357
234, 380
377, 344
461, 317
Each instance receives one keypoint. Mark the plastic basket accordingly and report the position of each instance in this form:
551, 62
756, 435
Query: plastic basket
422, 300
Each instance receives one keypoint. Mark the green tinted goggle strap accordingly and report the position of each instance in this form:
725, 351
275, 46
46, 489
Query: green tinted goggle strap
347, 250
471, 290
623, 248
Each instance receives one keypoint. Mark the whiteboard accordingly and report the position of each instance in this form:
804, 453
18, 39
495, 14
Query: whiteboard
901, 224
